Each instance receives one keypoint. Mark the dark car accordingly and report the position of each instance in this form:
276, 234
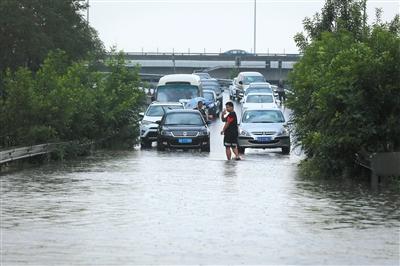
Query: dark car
213, 84
183, 129
202, 75
236, 52
212, 103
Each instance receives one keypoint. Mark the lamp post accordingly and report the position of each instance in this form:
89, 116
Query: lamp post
255, 24
87, 12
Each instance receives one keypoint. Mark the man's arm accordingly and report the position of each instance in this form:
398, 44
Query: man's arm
228, 121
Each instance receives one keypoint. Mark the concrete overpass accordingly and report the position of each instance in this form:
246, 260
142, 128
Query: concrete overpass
153, 65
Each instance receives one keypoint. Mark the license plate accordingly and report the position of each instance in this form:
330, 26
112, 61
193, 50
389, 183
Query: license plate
185, 141
264, 139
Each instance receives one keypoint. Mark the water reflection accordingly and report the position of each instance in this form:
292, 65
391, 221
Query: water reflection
343, 203
230, 177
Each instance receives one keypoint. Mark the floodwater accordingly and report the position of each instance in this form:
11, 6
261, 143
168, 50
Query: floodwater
188, 207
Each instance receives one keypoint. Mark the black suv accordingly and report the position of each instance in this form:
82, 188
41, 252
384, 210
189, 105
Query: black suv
183, 129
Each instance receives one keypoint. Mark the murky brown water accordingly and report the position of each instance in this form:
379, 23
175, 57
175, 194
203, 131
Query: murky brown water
149, 207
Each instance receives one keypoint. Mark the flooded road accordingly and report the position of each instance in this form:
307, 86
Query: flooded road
187, 207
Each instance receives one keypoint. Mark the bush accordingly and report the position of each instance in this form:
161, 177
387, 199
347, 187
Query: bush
347, 98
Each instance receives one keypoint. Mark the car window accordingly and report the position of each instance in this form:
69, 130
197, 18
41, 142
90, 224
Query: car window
208, 95
174, 92
184, 119
259, 99
258, 89
263, 116
159, 110
250, 79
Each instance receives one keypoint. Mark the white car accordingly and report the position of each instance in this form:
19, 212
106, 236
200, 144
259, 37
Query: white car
148, 125
259, 101
259, 87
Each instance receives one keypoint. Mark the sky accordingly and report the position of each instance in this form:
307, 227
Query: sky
198, 26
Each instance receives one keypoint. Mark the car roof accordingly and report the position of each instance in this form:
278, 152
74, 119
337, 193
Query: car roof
259, 84
211, 80
249, 73
259, 93
190, 78
264, 109
165, 103
183, 111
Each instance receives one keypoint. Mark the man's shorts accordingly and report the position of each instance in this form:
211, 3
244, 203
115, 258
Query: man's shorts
230, 141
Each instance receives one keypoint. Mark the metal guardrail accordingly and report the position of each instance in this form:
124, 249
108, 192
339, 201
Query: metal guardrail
25, 152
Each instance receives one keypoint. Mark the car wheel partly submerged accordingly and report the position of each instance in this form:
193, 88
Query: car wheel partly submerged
160, 146
285, 150
206, 147
145, 143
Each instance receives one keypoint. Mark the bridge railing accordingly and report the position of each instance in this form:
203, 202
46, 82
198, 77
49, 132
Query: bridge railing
210, 54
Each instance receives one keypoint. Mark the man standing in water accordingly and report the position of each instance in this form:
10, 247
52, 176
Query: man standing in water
230, 131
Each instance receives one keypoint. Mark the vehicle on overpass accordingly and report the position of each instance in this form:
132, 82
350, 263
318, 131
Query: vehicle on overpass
178, 88
236, 52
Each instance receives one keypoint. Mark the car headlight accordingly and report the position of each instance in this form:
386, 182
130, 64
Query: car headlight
166, 133
205, 133
146, 122
284, 132
244, 133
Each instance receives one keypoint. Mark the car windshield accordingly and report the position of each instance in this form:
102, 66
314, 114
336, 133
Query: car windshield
159, 110
176, 91
258, 90
208, 95
184, 119
263, 116
251, 79
259, 99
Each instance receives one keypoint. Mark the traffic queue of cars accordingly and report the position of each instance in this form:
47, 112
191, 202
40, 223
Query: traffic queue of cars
172, 120
262, 123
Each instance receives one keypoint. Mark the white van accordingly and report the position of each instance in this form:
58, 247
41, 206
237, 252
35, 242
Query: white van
178, 88
243, 81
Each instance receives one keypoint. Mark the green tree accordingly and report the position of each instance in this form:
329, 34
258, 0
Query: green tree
29, 29
65, 101
346, 97
336, 15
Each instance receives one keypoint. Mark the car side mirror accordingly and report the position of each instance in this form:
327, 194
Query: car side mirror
241, 82
141, 114
158, 122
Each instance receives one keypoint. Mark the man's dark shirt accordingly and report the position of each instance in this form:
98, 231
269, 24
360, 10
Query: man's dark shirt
232, 129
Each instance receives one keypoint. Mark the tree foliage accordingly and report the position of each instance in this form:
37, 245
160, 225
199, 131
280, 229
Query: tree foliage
63, 101
336, 15
346, 94
29, 29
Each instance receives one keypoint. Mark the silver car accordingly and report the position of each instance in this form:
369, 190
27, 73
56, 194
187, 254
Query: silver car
263, 128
